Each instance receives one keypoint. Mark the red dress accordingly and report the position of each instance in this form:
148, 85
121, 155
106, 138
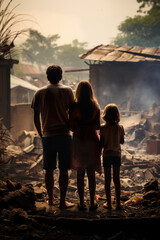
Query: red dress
86, 143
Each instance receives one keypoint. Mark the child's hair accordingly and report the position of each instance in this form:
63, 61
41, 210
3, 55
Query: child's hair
111, 114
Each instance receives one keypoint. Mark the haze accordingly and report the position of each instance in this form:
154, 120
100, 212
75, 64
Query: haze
92, 21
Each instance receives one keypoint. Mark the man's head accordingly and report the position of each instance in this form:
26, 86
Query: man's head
54, 73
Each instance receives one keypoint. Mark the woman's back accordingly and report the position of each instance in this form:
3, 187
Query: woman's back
84, 122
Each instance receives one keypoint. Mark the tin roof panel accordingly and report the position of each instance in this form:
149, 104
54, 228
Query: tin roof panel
110, 53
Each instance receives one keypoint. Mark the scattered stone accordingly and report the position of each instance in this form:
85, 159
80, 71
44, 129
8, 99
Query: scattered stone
148, 174
5, 213
152, 194
39, 192
23, 198
19, 215
10, 185
2, 192
151, 185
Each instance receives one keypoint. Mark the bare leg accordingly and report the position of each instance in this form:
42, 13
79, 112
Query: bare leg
80, 185
49, 181
107, 172
63, 184
116, 179
92, 186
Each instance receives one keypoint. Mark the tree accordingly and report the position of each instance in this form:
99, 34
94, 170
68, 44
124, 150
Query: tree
141, 30
67, 54
152, 4
44, 50
40, 49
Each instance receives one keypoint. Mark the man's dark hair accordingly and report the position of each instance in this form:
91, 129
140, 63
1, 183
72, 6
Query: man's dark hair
54, 73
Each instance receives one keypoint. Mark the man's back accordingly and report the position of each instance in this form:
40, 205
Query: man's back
53, 102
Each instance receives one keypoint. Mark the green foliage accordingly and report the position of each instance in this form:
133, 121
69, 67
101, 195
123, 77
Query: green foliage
141, 30
39, 49
9, 21
44, 51
67, 54
151, 4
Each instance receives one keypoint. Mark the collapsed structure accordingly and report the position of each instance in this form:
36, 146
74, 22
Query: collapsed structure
125, 75
134, 85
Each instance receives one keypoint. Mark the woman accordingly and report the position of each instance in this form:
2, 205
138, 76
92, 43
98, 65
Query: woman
84, 122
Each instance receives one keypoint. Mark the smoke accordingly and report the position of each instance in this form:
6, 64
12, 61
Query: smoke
134, 88
146, 90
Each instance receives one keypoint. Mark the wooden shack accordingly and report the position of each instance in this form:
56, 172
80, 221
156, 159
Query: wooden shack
5, 66
128, 76
21, 91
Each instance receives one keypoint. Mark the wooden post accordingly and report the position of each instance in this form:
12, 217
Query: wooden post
5, 66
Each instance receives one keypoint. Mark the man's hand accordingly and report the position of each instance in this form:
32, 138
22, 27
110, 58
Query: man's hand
37, 122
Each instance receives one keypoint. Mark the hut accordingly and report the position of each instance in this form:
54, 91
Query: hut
21, 90
128, 76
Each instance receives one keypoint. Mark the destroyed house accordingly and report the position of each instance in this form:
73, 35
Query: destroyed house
128, 76
28, 70
21, 90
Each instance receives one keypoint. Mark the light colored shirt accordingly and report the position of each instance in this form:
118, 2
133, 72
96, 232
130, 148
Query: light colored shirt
53, 102
112, 135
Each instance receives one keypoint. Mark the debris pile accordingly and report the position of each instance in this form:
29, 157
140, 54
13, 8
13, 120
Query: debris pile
24, 214
23, 196
5, 140
22, 160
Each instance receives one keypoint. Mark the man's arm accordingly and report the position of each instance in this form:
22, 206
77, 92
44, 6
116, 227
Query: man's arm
122, 140
37, 122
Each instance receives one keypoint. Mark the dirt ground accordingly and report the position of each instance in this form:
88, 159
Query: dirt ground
33, 218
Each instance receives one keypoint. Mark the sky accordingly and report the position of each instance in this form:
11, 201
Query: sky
92, 21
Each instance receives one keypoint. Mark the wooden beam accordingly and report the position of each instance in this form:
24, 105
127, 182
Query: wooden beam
77, 70
141, 54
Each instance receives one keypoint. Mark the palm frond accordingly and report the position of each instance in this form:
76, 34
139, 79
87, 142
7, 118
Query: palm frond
9, 20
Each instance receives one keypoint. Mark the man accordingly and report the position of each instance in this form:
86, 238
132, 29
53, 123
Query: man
51, 105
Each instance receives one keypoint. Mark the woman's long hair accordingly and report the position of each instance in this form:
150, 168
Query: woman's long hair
84, 96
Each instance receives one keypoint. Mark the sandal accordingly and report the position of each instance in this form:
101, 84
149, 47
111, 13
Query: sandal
82, 207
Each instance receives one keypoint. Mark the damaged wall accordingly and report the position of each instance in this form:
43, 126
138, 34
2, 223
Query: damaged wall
5, 92
21, 119
132, 86
21, 95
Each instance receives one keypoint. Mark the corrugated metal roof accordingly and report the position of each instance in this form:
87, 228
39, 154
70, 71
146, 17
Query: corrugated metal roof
15, 82
110, 53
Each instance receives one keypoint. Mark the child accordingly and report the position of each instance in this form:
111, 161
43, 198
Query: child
84, 122
111, 136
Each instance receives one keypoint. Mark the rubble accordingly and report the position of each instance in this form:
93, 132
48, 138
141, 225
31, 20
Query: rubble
27, 213
23, 196
151, 185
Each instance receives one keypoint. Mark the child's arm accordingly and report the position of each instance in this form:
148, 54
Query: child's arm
122, 135
101, 136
